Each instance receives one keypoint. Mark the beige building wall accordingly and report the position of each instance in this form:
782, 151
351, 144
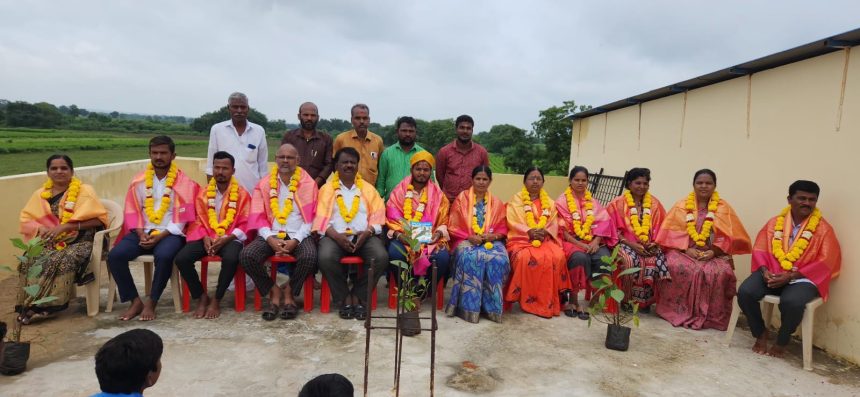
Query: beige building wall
759, 133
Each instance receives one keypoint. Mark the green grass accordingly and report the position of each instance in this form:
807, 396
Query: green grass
497, 164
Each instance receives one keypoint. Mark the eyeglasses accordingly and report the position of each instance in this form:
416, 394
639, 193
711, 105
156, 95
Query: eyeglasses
285, 158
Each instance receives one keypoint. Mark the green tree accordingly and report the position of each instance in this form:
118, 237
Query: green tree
334, 126
205, 121
39, 115
500, 137
553, 129
432, 135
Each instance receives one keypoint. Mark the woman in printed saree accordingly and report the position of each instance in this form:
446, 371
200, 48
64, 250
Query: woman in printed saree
585, 231
638, 216
700, 235
538, 274
66, 214
478, 228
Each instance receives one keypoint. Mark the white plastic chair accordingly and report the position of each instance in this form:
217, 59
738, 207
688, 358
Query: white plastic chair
102, 242
770, 301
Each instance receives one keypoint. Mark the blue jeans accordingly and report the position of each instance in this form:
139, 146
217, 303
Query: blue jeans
129, 248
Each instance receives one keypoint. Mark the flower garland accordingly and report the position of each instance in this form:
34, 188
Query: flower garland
530, 217
582, 230
644, 228
220, 228
407, 204
786, 260
479, 230
156, 216
347, 215
279, 213
692, 208
68, 206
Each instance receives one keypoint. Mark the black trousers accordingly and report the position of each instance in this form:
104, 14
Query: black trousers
193, 251
254, 258
792, 303
591, 263
372, 252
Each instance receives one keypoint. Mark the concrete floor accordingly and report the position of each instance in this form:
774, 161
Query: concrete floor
240, 354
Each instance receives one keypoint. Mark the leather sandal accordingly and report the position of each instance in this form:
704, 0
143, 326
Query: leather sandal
359, 312
270, 311
571, 312
289, 311
346, 312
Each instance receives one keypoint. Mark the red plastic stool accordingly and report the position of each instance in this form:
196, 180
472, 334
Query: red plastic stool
238, 298
325, 291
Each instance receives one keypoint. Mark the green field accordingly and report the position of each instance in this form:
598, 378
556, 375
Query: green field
497, 164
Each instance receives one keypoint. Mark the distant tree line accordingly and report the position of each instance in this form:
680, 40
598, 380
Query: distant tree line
547, 145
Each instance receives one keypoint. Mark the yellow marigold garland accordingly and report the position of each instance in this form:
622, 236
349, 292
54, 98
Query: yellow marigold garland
279, 213
786, 260
407, 204
156, 216
530, 217
68, 208
642, 229
479, 230
692, 214
347, 215
582, 230
221, 227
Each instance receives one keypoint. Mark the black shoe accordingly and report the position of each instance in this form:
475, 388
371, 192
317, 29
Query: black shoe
359, 312
346, 312
645, 310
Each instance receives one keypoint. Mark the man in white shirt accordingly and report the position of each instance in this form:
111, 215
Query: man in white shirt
244, 140
282, 209
350, 214
158, 205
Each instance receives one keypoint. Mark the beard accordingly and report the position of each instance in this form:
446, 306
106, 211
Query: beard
309, 125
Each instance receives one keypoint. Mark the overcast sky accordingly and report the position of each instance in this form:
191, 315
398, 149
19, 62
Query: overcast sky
499, 61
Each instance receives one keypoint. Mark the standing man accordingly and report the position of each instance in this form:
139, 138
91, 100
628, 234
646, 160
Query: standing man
313, 146
368, 144
222, 220
350, 214
395, 160
158, 205
795, 256
456, 160
282, 210
244, 140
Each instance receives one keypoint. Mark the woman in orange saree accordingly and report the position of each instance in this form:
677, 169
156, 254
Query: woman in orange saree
538, 272
638, 216
700, 235
65, 213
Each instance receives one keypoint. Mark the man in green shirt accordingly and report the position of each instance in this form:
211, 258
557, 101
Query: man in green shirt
394, 163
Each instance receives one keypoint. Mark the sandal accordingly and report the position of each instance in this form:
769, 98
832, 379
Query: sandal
571, 312
270, 311
289, 311
346, 312
583, 315
359, 312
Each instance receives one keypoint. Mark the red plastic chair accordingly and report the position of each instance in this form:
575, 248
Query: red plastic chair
238, 298
392, 293
325, 291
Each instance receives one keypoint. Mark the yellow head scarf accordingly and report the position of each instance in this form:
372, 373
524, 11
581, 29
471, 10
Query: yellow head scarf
422, 156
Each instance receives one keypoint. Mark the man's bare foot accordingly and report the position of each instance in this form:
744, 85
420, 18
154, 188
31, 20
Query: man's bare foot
776, 351
760, 345
148, 313
214, 309
133, 310
202, 303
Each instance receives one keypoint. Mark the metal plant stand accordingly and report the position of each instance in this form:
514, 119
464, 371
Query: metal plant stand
398, 334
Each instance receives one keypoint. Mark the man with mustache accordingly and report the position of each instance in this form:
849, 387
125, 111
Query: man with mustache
456, 160
350, 214
158, 205
394, 164
795, 256
244, 140
313, 146
368, 144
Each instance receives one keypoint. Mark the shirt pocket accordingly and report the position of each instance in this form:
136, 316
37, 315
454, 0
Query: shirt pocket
249, 153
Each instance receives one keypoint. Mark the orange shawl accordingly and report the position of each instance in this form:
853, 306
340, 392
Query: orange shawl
728, 232
460, 219
326, 204
201, 228
37, 211
617, 209
516, 217
820, 262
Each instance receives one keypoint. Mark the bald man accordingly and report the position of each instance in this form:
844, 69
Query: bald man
313, 146
282, 210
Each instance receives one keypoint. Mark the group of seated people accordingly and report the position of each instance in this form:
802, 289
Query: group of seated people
531, 250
